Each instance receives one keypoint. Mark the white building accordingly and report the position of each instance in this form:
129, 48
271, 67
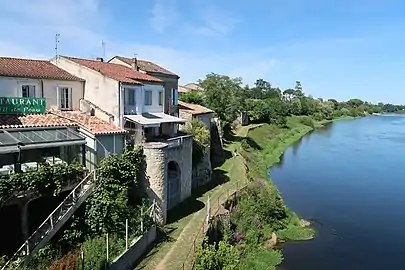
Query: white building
40, 79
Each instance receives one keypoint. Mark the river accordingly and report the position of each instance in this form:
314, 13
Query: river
349, 180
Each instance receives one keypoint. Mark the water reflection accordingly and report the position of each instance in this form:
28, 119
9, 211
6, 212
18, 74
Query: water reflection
348, 177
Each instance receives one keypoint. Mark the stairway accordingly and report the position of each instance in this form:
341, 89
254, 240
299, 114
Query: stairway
54, 221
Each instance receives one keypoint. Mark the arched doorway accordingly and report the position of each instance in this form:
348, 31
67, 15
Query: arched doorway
173, 184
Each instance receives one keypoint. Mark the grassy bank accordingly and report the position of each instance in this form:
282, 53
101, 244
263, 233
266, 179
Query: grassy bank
261, 215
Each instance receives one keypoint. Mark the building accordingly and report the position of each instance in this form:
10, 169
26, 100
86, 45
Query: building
170, 79
190, 111
202, 172
40, 79
134, 100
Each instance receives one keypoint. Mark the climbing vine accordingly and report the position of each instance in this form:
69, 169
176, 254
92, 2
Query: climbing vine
46, 179
108, 206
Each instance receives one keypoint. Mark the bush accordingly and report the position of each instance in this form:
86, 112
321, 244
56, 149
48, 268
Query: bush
307, 120
192, 97
201, 139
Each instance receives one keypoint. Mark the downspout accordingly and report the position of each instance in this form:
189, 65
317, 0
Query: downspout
119, 105
42, 88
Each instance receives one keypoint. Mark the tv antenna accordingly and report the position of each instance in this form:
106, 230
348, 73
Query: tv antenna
57, 35
103, 48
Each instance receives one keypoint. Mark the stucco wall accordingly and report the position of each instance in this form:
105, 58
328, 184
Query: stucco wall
140, 97
139, 246
205, 118
11, 87
171, 82
155, 181
100, 90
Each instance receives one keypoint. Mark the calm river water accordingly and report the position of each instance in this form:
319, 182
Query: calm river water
349, 180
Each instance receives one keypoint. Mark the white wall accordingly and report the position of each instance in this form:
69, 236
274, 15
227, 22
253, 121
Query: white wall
140, 97
11, 87
100, 90
119, 62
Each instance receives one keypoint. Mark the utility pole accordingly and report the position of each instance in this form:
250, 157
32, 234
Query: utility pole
103, 48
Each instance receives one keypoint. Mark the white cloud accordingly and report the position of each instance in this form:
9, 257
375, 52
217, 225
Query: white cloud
31, 27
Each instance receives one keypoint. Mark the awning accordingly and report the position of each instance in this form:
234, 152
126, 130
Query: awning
153, 119
12, 140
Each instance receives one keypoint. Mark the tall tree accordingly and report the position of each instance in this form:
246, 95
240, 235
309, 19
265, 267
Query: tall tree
224, 95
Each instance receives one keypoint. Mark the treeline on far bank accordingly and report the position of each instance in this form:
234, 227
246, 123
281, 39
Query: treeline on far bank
267, 104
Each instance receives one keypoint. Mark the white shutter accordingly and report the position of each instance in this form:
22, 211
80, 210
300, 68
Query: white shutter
58, 96
70, 98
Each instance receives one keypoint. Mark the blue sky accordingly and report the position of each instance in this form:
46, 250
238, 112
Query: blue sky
337, 49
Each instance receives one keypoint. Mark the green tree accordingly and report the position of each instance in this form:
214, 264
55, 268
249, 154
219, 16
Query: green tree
201, 139
193, 97
223, 95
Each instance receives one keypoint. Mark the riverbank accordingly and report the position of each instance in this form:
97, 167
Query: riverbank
262, 147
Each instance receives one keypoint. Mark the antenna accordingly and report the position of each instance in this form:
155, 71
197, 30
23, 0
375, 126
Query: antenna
103, 48
56, 46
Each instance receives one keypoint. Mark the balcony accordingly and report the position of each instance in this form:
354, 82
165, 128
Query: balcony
131, 109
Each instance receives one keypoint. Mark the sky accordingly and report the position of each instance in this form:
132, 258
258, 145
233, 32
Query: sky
338, 48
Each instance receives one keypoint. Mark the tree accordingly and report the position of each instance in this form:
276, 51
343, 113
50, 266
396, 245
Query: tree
201, 139
223, 95
296, 107
192, 97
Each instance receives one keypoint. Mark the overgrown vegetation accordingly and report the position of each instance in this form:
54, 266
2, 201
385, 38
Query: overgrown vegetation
201, 139
46, 179
115, 198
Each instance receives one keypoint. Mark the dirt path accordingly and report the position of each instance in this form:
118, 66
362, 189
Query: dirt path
180, 251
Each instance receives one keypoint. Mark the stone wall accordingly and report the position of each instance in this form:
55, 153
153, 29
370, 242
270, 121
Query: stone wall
158, 155
202, 172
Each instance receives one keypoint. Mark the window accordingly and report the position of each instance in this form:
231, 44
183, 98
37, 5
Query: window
148, 97
28, 90
160, 98
65, 98
175, 97
129, 97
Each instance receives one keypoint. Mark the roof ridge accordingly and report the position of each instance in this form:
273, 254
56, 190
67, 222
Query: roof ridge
25, 59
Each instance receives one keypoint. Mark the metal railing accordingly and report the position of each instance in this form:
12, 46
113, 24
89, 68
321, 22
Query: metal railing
177, 141
54, 221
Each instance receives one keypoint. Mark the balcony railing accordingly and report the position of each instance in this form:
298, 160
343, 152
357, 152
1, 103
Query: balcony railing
177, 141
131, 109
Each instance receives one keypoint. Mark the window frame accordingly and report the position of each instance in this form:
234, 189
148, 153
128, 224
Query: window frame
161, 98
151, 97
69, 97
127, 96
31, 87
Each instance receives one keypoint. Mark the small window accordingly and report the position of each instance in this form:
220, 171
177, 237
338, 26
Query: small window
65, 98
148, 97
160, 98
28, 90
129, 98
175, 97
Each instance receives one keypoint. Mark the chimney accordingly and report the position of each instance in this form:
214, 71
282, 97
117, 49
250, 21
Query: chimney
100, 59
135, 64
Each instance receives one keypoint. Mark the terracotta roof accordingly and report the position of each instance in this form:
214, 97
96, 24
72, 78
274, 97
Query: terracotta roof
115, 71
193, 108
91, 123
193, 86
33, 120
147, 66
183, 89
60, 118
28, 68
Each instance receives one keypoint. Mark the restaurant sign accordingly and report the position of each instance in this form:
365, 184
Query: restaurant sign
22, 105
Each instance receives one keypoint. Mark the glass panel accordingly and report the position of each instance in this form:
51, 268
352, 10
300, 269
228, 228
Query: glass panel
41, 136
5, 139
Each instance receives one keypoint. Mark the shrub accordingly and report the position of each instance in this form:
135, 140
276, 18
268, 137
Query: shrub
201, 139
307, 120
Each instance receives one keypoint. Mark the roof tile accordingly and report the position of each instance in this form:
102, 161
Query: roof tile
28, 68
60, 118
115, 71
147, 66
193, 108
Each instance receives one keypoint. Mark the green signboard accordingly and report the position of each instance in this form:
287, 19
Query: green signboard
22, 105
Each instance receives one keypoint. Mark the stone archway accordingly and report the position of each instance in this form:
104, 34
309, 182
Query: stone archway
173, 184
